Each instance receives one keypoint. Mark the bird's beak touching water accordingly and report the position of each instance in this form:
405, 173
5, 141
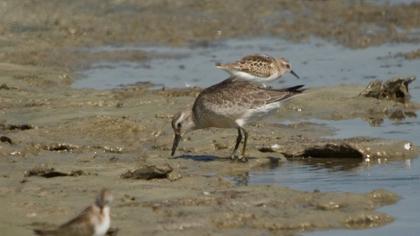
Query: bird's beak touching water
294, 73
177, 138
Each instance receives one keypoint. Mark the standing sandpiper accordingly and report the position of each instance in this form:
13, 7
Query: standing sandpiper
93, 221
258, 67
231, 103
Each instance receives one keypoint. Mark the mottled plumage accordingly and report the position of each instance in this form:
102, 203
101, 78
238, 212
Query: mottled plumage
258, 67
231, 103
92, 221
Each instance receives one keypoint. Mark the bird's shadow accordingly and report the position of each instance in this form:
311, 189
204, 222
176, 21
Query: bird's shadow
204, 158
208, 158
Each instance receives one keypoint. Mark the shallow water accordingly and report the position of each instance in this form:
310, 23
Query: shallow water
402, 177
392, 2
319, 64
406, 129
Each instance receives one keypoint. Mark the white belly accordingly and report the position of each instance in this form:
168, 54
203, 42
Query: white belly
255, 78
102, 227
257, 113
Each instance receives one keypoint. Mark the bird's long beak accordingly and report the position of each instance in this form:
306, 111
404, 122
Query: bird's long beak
294, 73
177, 138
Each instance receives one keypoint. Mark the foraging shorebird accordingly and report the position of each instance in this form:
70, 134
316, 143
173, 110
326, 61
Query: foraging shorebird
258, 68
231, 103
93, 221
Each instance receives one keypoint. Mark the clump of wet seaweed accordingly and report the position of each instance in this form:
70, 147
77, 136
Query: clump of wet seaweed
395, 89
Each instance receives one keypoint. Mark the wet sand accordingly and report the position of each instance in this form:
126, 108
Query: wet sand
31, 36
103, 134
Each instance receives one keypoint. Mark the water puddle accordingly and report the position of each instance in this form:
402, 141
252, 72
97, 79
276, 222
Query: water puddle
402, 177
318, 63
392, 2
407, 129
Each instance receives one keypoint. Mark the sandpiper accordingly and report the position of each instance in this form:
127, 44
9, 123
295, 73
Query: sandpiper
93, 221
231, 103
258, 67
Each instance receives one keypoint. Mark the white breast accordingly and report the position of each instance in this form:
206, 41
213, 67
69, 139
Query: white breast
251, 77
272, 77
246, 76
102, 227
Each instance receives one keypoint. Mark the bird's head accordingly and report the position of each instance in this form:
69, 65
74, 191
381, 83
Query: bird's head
104, 198
284, 66
182, 122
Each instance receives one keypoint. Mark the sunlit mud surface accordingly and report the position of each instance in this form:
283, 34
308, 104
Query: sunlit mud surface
87, 95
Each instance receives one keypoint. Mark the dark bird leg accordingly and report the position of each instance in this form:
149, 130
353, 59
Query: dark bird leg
243, 157
238, 141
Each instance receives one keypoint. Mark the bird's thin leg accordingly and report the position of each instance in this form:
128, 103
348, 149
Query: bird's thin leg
243, 157
238, 141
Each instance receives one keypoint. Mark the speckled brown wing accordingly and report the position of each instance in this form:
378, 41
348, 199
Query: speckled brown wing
79, 226
233, 97
215, 103
258, 58
247, 94
257, 64
257, 96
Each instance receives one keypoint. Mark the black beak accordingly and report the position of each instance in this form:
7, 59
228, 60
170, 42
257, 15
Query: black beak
175, 144
293, 73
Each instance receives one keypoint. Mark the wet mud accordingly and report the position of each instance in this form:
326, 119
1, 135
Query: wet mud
121, 138
46, 172
412, 55
54, 37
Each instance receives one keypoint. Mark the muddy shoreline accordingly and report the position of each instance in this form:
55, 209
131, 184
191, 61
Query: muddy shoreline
31, 36
120, 130
59, 145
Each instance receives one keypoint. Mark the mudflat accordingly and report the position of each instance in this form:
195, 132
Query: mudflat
60, 145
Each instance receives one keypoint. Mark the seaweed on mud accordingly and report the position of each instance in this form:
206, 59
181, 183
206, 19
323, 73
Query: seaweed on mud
4, 86
329, 150
60, 147
47, 172
5, 139
15, 127
395, 89
148, 172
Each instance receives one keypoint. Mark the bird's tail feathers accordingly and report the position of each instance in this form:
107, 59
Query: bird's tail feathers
287, 93
293, 89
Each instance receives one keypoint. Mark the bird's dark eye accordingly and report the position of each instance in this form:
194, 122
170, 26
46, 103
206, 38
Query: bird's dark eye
288, 66
179, 125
